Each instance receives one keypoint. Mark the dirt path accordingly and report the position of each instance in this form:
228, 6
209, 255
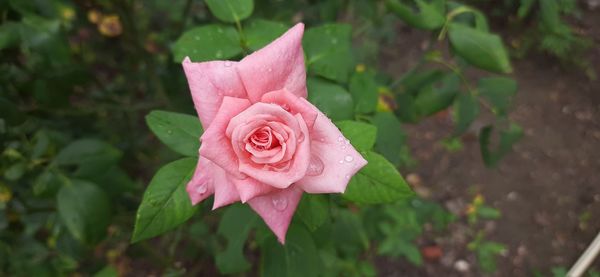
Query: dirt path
548, 189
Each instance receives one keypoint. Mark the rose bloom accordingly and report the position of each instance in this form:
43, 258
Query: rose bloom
264, 144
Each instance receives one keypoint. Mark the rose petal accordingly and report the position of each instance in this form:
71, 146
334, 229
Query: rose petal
294, 103
337, 160
209, 82
277, 209
249, 188
296, 170
215, 145
276, 66
225, 191
200, 186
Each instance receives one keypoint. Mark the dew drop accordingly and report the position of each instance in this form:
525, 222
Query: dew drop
280, 203
347, 177
343, 147
348, 158
341, 161
227, 64
270, 69
347, 141
201, 188
340, 138
322, 139
315, 166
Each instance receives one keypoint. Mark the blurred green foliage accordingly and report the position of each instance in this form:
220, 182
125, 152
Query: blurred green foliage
79, 81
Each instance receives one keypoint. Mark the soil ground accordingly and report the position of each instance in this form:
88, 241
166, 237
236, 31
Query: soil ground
548, 188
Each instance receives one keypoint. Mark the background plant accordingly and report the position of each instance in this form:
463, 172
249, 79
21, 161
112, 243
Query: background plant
80, 80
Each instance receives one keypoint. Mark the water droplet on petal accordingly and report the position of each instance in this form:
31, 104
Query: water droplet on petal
270, 69
227, 64
348, 158
347, 141
202, 188
347, 177
341, 161
280, 203
315, 166
340, 138
322, 139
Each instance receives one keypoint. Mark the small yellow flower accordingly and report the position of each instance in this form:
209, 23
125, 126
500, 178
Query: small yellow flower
5, 194
110, 26
385, 101
360, 68
478, 200
94, 16
67, 13
470, 209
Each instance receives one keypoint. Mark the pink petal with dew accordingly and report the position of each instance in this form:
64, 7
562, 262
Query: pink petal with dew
216, 146
333, 159
277, 209
249, 188
277, 66
201, 186
209, 82
293, 104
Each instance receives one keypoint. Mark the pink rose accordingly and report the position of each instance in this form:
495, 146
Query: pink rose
264, 143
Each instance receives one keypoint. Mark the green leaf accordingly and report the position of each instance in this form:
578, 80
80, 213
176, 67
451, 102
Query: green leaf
400, 247
235, 226
329, 52
181, 132
10, 113
348, 234
85, 210
488, 212
390, 136
208, 42
479, 48
432, 99
430, 16
363, 89
550, 14
313, 210
377, 182
231, 11
165, 204
499, 91
90, 156
361, 135
9, 34
486, 255
524, 8
260, 32
330, 98
107, 271
297, 258
507, 139
465, 110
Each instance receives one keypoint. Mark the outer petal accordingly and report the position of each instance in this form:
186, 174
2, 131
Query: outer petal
225, 191
209, 82
249, 188
334, 158
201, 185
276, 66
294, 105
277, 209
215, 145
